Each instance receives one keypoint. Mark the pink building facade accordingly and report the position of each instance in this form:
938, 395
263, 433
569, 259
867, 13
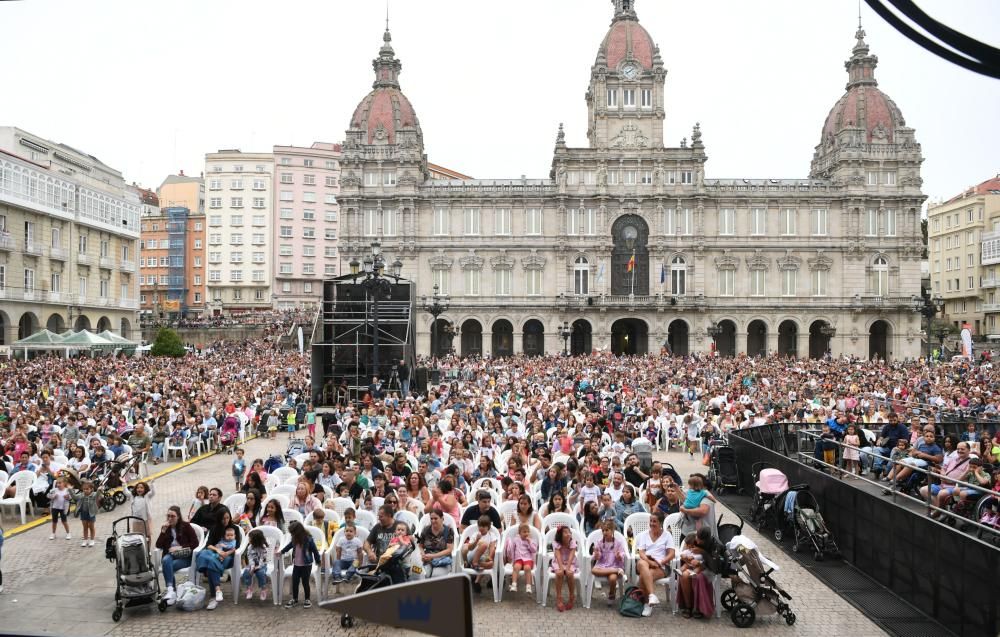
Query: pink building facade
306, 219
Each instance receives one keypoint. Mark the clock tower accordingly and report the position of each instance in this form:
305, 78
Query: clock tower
625, 98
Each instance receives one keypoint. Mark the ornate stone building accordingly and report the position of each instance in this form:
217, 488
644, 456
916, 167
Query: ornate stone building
632, 245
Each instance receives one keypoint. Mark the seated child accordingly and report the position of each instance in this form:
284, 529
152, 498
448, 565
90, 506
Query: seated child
521, 551
348, 547
256, 557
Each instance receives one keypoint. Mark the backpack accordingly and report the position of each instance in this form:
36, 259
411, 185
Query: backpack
632, 602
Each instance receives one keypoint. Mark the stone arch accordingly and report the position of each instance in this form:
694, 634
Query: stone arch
819, 343
725, 342
880, 333
502, 338
82, 322
678, 337
6, 328
56, 323
441, 338
125, 328
788, 338
630, 229
103, 323
533, 337
630, 336
757, 330
581, 337
472, 337
27, 325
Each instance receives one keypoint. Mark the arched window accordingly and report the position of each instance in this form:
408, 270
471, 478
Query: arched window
678, 276
581, 276
880, 276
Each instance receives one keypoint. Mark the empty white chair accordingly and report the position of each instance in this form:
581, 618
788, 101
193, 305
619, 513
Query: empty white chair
505, 568
636, 523
236, 503
377, 503
292, 515
281, 499
342, 504
287, 490
364, 518
547, 558
553, 520
508, 513
22, 481
286, 475
179, 447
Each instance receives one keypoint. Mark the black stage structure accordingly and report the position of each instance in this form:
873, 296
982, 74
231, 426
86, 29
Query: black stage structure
361, 331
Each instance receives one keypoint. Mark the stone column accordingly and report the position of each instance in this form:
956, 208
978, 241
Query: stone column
518, 342
741, 343
772, 341
802, 343
487, 343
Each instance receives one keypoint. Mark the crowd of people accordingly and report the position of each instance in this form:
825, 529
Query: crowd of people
538, 464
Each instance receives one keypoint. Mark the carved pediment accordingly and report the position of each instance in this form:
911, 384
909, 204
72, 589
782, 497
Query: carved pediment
441, 262
757, 261
502, 262
820, 262
471, 262
727, 262
533, 262
629, 137
789, 262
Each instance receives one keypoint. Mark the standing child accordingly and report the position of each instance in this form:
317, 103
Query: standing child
304, 554
59, 499
272, 424
851, 454
521, 551
564, 565
311, 421
239, 468
257, 558
609, 558
141, 503
86, 507
348, 547
589, 492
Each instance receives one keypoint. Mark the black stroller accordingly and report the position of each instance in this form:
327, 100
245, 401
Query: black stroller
722, 471
136, 582
389, 571
809, 530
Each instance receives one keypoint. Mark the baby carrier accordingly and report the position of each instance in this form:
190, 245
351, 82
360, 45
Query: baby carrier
643, 449
228, 433
136, 582
770, 486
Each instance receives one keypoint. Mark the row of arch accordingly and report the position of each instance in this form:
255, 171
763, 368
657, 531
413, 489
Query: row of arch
631, 336
29, 323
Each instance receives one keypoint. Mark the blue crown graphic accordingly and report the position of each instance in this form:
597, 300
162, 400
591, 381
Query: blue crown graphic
414, 609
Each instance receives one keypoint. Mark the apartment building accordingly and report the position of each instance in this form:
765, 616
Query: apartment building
188, 193
239, 229
306, 223
68, 233
986, 197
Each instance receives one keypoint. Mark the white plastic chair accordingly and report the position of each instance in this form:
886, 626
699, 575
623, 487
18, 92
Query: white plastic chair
287, 490
21, 498
636, 523
236, 502
342, 504
330, 555
281, 499
506, 569
364, 518
316, 574
588, 564
546, 557
190, 572
493, 572
275, 538
490, 484
4, 476
292, 515
553, 520
409, 517
180, 448
377, 503
456, 556
508, 513
286, 475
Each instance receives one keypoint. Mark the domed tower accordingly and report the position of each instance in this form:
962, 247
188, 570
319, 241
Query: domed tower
625, 98
865, 132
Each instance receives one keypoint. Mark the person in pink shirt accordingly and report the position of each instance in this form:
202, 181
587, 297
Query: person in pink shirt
521, 551
609, 558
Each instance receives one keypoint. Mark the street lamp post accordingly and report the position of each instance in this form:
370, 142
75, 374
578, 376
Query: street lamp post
713, 331
565, 332
376, 284
436, 306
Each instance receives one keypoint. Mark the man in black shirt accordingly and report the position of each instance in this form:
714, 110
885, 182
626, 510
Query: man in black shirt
207, 514
380, 535
633, 472
403, 372
473, 513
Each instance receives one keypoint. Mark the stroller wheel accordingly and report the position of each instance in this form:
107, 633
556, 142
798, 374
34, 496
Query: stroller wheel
162, 605
795, 547
346, 621
120, 497
790, 618
818, 556
778, 534
108, 503
729, 599
116, 614
743, 615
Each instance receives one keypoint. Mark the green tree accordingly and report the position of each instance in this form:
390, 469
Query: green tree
167, 343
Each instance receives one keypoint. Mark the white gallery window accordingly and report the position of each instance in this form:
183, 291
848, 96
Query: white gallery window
502, 280
758, 283
727, 282
788, 281
472, 277
669, 222
258, 202
788, 219
309, 180
236, 202
872, 177
758, 221
684, 225
371, 179
236, 220
215, 202
880, 276
890, 222
628, 98
309, 197
581, 276
819, 282
871, 222
612, 98
389, 223
630, 177
890, 178
687, 177
646, 98
472, 221
819, 222
286, 195
441, 279
285, 232
727, 221
286, 213
286, 178
647, 178
285, 250
389, 178
533, 221
308, 232
533, 282
678, 276
502, 219
259, 220
370, 222
215, 220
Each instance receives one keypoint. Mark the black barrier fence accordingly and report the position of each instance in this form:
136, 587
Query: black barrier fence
952, 577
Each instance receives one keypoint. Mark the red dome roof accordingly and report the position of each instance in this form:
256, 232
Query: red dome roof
628, 39
864, 106
387, 108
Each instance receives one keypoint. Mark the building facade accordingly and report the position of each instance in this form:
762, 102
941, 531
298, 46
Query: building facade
958, 243
181, 191
68, 240
240, 230
306, 224
632, 245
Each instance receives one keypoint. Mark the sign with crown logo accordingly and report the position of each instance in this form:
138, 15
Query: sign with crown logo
439, 606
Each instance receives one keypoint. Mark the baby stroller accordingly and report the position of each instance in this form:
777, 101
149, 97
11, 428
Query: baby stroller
136, 582
754, 592
722, 472
227, 435
643, 449
770, 486
389, 571
988, 514
295, 447
112, 478
808, 527
273, 463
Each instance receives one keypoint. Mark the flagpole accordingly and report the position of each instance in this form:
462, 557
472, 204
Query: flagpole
632, 293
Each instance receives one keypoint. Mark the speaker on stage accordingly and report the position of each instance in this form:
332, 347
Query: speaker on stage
420, 381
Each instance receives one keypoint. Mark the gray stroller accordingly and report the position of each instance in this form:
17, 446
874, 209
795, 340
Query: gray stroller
136, 581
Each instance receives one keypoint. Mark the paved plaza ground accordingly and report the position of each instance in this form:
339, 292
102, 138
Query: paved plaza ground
56, 587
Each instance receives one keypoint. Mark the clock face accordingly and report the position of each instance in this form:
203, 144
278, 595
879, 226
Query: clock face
630, 71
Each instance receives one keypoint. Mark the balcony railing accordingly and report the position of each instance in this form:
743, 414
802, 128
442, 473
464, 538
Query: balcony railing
30, 295
991, 307
55, 297
33, 247
990, 283
103, 301
127, 266
108, 263
83, 258
58, 253
7, 242
130, 304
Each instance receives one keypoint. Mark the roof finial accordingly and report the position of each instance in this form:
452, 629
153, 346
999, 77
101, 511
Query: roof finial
387, 14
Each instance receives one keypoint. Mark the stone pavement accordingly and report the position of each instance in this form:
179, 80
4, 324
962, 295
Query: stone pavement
56, 587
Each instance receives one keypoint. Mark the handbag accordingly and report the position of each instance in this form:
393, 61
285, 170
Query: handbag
183, 553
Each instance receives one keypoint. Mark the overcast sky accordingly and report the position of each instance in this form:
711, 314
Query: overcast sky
150, 86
